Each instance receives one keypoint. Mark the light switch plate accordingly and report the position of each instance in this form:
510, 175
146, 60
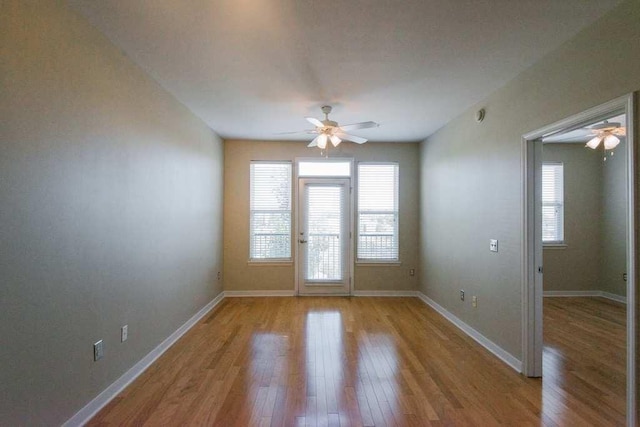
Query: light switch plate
124, 333
98, 351
493, 245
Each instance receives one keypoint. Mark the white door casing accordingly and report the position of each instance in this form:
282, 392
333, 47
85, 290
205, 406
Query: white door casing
323, 236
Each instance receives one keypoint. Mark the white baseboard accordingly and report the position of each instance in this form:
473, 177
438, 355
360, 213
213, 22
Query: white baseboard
384, 293
235, 294
498, 351
100, 401
614, 297
589, 293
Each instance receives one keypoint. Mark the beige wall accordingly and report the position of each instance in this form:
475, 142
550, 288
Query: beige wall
239, 275
110, 212
471, 174
613, 262
576, 267
595, 221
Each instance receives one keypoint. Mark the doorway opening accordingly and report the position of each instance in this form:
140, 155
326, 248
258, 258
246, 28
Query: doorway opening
324, 236
579, 241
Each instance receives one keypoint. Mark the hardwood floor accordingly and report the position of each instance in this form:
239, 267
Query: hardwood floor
584, 359
375, 361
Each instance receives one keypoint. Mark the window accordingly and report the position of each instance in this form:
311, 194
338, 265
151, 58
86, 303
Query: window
270, 228
552, 202
378, 212
333, 168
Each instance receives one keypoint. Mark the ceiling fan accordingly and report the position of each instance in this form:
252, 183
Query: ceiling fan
328, 130
607, 132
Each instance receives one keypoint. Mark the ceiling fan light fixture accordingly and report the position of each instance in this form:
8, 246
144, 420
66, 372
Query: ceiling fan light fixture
594, 142
329, 130
611, 142
322, 141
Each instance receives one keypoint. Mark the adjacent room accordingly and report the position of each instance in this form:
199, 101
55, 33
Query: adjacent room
584, 236
283, 212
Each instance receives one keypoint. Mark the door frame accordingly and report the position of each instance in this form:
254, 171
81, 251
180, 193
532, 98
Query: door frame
532, 343
296, 203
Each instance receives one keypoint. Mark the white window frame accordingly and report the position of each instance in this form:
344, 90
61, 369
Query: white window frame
265, 260
560, 238
396, 213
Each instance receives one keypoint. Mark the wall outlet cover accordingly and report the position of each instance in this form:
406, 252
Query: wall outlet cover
493, 245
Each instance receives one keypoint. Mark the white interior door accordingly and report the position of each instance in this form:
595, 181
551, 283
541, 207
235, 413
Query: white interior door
323, 236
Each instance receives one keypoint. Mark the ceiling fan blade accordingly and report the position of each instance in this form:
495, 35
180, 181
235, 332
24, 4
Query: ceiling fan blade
594, 142
352, 138
361, 125
314, 143
315, 122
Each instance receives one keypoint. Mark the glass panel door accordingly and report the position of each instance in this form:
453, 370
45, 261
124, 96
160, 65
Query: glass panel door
323, 236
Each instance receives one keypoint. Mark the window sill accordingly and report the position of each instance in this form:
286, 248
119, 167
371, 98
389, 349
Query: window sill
270, 263
363, 263
554, 246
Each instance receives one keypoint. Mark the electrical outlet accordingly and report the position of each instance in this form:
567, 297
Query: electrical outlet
412, 272
461, 294
493, 245
474, 301
624, 276
219, 275
98, 351
124, 333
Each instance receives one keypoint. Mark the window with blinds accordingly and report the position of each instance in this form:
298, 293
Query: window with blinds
325, 219
552, 202
270, 216
378, 212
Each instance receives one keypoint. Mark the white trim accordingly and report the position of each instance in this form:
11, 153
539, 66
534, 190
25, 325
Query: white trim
384, 293
614, 297
633, 174
554, 246
100, 401
587, 293
239, 294
571, 294
494, 348
368, 263
270, 263
532, 255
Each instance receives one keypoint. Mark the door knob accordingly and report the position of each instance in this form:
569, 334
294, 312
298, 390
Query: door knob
302, 241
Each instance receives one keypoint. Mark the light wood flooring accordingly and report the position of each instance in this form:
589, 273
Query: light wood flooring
375, 361
584, 360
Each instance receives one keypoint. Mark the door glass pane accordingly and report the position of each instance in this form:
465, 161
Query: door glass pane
324, 242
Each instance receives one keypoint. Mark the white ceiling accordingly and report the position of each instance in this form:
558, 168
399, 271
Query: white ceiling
252, 68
